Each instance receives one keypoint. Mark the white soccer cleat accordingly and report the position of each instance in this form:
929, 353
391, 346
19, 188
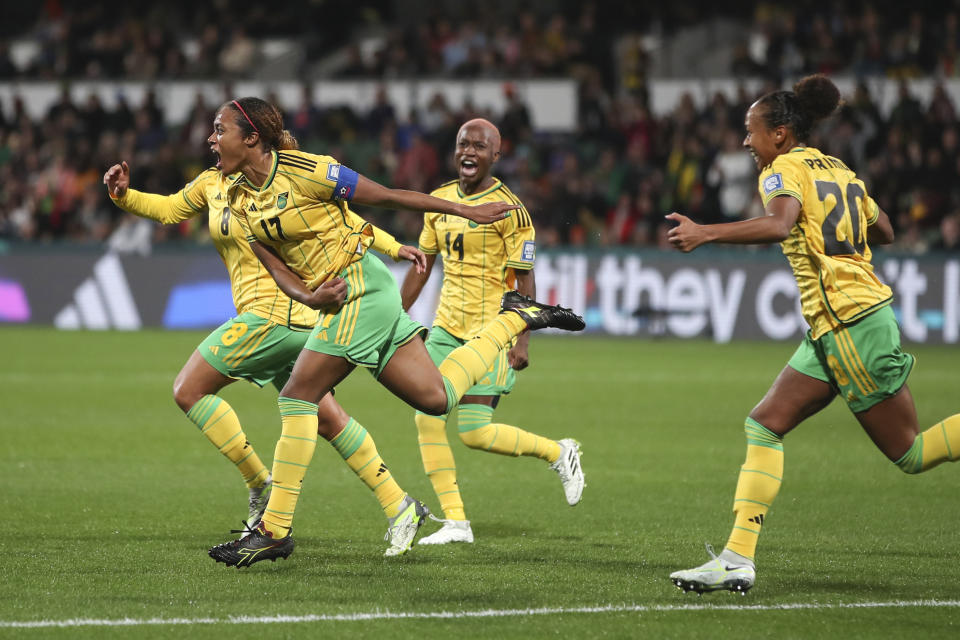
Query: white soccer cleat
568, 468
729, 571
451, 531
404, 526
259, 496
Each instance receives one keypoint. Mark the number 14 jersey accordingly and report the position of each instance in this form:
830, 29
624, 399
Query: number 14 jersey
827, 247
479, 261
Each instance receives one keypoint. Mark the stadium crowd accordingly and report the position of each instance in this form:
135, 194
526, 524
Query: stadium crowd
609, 183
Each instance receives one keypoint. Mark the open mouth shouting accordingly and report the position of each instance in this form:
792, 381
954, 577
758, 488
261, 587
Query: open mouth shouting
468, 168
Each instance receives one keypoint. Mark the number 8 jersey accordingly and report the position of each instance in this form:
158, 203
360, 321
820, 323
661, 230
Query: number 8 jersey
827, 247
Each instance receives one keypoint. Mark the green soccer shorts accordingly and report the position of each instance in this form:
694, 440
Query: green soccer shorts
371, 325
251, 348
862, 361
499, 380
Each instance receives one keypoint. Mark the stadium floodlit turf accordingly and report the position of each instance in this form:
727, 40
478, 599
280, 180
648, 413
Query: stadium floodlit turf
111, 498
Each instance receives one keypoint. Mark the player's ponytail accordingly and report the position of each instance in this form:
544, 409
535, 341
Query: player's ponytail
812, 99
287, 142
256, 115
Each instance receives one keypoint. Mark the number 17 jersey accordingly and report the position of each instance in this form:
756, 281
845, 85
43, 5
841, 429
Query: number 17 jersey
827, 247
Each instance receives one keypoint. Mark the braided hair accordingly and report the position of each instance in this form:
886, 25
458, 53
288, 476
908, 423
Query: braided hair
813, 98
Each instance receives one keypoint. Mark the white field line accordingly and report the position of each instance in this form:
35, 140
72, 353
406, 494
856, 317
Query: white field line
485, 613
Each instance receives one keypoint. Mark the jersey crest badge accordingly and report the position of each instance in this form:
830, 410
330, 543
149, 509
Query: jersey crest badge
772, 183
282, 200
529, 250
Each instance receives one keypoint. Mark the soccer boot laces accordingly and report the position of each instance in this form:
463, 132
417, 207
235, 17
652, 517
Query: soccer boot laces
728, 571
257, 545
540, 316
404, 526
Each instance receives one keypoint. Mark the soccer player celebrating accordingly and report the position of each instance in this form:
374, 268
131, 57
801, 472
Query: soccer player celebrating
480, 265
293, 207
260, 344
820, 213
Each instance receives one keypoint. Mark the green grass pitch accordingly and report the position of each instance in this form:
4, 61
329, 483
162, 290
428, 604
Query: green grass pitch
111, 498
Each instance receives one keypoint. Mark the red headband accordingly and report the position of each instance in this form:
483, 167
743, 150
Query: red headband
246, 116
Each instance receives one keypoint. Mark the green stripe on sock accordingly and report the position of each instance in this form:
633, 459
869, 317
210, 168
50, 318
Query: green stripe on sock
295, 464
365, 465
946, 440
201, 411
764, 473
762, 504
474, 416
297, 438
349, 440
294, 407
421, 413
758, 435
229, 440
452, 397
912, 460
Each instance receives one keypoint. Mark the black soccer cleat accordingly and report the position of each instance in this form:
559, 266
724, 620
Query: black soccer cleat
256, 546
539, 315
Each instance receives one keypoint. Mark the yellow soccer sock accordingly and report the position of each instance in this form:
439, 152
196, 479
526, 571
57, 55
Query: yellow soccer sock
219, 423
439, 465
466, 365
759, 483
939, 443
359, 451
298, 439
477, 432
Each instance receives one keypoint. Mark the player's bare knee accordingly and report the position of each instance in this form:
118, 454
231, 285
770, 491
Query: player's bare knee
436, 403
184, 395
329, 426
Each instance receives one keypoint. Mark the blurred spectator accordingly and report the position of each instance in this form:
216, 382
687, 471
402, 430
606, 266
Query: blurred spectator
610, 181
949, 239
734, 174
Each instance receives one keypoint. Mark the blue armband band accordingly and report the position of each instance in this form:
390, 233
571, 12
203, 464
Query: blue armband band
346, 180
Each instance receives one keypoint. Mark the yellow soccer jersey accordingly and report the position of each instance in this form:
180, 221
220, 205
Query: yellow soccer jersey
301, 211
827, 247
478, 260
253, 288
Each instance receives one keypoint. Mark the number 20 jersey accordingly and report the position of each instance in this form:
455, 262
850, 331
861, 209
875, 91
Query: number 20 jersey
827, 247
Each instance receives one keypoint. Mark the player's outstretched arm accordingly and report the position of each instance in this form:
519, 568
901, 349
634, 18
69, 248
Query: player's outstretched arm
376, 195
328, 297
782, 214
414, 280
152, 206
